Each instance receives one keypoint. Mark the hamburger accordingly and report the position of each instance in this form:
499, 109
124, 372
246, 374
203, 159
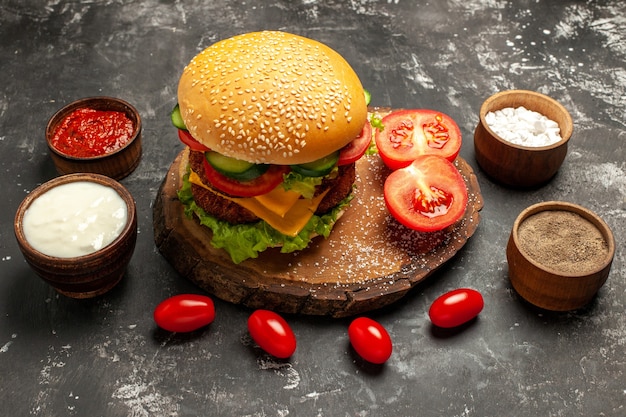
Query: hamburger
273, 123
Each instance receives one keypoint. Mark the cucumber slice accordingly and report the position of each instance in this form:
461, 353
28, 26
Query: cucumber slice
235, 168
177, 118
319, 168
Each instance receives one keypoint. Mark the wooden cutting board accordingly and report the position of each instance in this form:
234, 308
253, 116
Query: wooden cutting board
368, 262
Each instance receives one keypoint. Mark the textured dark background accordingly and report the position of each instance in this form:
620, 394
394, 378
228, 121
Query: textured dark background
105, 357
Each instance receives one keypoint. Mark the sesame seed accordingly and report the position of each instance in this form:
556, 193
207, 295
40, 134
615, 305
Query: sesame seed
271, 78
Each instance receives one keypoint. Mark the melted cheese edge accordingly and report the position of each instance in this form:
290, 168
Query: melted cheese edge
284, 210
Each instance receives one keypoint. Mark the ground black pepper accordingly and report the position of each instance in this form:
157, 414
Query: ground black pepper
563, 241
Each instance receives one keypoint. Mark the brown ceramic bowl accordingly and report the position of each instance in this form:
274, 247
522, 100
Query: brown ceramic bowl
89, 275
521, 166
559, 255
117, 164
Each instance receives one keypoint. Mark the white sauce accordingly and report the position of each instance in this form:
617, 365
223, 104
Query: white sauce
74, 219
524, 127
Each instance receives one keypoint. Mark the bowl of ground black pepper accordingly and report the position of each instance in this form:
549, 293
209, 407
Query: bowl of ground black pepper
559, 255
100, 135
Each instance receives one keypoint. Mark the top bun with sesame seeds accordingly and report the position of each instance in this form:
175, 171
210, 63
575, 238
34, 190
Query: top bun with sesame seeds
272, 97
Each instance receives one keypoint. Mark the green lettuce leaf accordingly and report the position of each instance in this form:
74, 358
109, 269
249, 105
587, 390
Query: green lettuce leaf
244, 241
299, 183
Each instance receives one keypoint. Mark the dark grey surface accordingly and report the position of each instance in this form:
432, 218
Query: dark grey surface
105, 357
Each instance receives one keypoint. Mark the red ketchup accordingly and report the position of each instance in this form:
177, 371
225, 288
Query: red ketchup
88, 132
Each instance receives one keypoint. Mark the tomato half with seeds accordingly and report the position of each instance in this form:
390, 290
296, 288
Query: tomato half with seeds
186, 138
408, 134
184, 313
272, 333
260, 185
354, 150
428, 195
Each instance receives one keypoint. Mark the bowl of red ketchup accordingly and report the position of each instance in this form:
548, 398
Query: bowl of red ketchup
100, 135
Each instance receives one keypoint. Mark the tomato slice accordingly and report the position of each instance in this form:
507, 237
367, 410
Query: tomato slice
408, 134
354, 150
428, 195
186, 138
258, 186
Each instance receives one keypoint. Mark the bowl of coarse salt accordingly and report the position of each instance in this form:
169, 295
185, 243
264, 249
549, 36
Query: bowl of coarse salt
521, 138
559, 255
78, 233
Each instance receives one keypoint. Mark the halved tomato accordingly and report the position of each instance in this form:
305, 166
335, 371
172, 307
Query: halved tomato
186, 138
408, 134
354, 150
260, 185
428, 195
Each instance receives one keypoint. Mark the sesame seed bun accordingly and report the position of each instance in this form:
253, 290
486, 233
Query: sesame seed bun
272, 97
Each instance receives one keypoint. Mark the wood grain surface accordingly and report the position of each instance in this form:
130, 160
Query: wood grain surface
368, 261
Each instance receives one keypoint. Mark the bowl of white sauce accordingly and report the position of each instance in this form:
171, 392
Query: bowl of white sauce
521, 138
78, 233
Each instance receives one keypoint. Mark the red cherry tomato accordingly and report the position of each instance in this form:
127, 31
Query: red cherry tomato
184, 313
428, 195
354, 150
408, 134
257, 186
272, 333
186, 138
370, 340
456, 307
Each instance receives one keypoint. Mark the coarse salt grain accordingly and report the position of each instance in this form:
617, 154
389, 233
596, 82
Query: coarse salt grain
524, 127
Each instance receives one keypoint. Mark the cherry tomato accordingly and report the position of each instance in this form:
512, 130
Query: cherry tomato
428, 195
272, 333
456, 307
260, 185
370, 340
408, 134
184, 313
186, 138
354, 150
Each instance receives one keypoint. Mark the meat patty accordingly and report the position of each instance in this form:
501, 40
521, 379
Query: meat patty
223, 209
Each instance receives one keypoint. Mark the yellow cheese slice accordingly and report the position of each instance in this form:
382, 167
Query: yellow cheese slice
288, 221
279, 200
293, 221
